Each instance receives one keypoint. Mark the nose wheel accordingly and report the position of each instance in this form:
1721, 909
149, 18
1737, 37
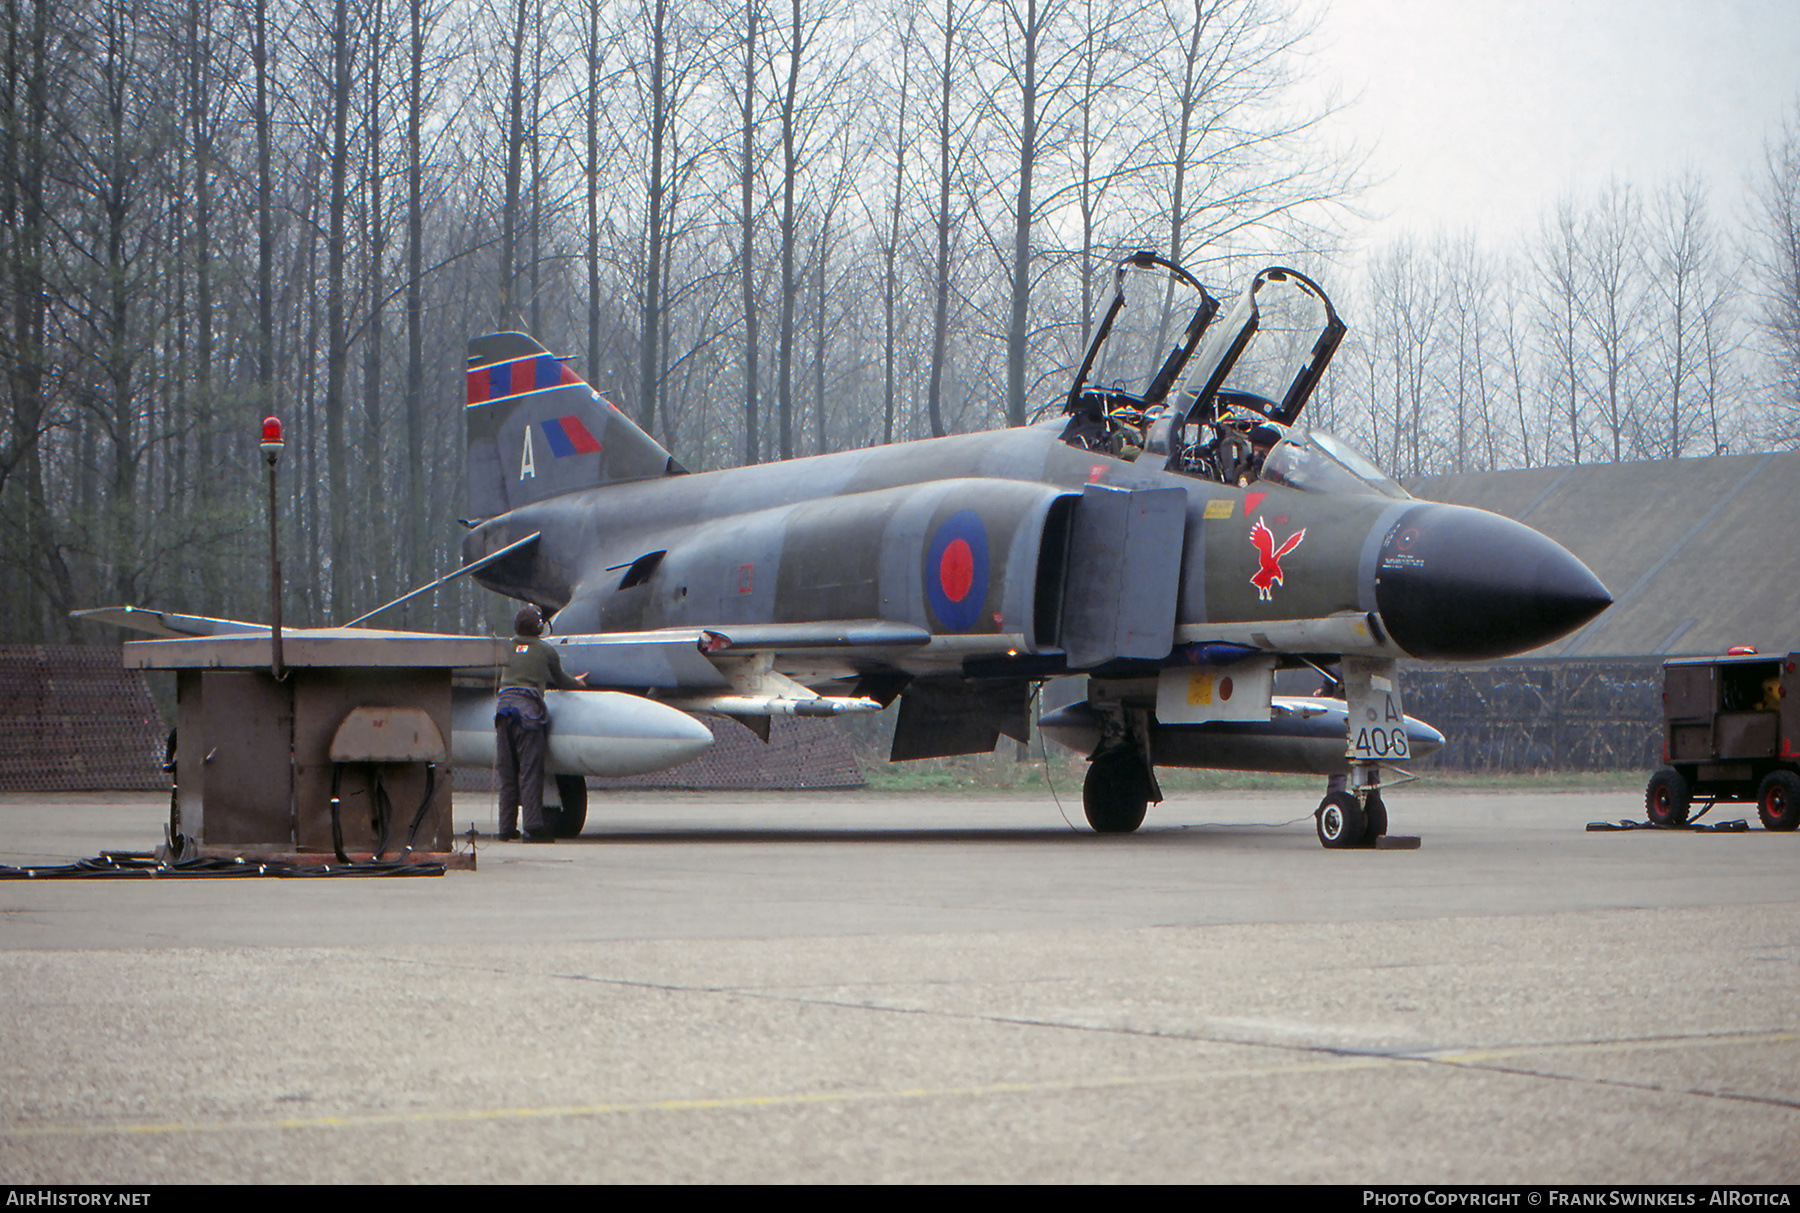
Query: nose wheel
1344, 821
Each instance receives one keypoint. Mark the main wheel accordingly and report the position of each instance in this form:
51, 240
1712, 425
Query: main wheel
1341, 821
1375, 809
1667, 798
1116, 792
568, 820
1778, 800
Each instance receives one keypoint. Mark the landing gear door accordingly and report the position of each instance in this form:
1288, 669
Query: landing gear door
1124, 570
1377, 731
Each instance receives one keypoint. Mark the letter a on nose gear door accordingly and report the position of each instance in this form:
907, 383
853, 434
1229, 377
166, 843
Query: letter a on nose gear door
1377, 725
1123, 574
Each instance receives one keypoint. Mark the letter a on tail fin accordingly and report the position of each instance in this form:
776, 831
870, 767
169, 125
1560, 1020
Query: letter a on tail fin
535, 430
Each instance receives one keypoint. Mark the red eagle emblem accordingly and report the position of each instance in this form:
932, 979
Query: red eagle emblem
1268, 572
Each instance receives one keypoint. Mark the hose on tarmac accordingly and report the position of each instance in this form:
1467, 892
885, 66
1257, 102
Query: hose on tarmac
137, 865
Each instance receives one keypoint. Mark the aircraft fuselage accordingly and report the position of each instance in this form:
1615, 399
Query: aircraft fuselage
980, 537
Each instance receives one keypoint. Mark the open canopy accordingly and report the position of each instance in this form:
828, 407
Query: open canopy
1210, 396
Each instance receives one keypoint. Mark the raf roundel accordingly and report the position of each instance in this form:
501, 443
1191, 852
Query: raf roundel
956, 571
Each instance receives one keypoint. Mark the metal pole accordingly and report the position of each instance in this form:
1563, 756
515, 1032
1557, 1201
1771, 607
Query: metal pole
274, 582
271, 449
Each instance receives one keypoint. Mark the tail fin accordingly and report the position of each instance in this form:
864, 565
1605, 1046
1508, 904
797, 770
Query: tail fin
535, 430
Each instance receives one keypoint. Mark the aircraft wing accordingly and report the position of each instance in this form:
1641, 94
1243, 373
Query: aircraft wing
731, 669
167, 625
788, 637
681, 659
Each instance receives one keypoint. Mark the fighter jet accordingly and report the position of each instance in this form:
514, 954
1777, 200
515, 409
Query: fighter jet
1169, 532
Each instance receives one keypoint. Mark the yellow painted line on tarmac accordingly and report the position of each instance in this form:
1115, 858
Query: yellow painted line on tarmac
1337, 1064
1480, 1056
722, 1104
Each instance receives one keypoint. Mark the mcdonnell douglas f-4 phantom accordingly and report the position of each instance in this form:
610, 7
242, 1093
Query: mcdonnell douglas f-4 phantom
1171, 535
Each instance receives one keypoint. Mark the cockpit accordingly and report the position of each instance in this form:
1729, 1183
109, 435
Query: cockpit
1166, 378
1315, 461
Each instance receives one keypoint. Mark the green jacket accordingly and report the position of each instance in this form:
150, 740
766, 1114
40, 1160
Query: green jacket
536, 665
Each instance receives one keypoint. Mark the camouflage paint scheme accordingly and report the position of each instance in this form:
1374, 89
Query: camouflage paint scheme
844, 536
1174, 530
848, 536
1168, 519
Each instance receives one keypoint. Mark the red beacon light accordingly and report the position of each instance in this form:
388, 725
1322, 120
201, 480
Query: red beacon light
271, 439
1740, 650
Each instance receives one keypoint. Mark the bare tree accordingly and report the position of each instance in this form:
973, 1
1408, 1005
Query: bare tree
1612, 306
1561, 308
1027, 32
418, 24
515, 165
1513, 336
1467, 292
1106, 139
953, 127
342, 46
749, 162
1681, 251
1777, 261
1406, 293
890, 244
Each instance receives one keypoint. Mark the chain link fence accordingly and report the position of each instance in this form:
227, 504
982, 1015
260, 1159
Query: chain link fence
1542, 716
73, 719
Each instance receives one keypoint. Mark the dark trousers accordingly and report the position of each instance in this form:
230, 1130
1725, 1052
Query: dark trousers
519, 750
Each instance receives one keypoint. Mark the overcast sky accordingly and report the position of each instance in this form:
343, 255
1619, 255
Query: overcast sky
1479, 113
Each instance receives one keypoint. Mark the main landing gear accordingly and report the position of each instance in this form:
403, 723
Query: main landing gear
1118, 791
1120, 785
566, 817
1121, 782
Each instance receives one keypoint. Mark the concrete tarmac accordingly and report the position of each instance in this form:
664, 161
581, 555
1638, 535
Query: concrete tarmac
830, 987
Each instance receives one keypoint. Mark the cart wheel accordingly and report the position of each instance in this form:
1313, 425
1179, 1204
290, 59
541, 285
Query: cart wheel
1778, 801
1667, 798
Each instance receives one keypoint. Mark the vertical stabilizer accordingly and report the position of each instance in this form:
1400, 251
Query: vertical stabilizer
536, 430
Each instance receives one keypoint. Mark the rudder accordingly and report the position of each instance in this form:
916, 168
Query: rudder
536, 429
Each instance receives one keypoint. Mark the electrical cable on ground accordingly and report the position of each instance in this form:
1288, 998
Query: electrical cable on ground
140, 865
1044, 752
1735, 826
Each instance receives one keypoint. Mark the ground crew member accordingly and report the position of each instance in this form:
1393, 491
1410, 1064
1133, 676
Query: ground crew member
522, 727
1771, 694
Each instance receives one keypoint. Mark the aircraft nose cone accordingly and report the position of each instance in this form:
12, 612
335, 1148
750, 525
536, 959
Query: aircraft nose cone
1422, 741
1461, 584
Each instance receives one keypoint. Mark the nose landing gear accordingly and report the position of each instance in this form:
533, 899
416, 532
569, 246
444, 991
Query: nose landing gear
1344, 821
